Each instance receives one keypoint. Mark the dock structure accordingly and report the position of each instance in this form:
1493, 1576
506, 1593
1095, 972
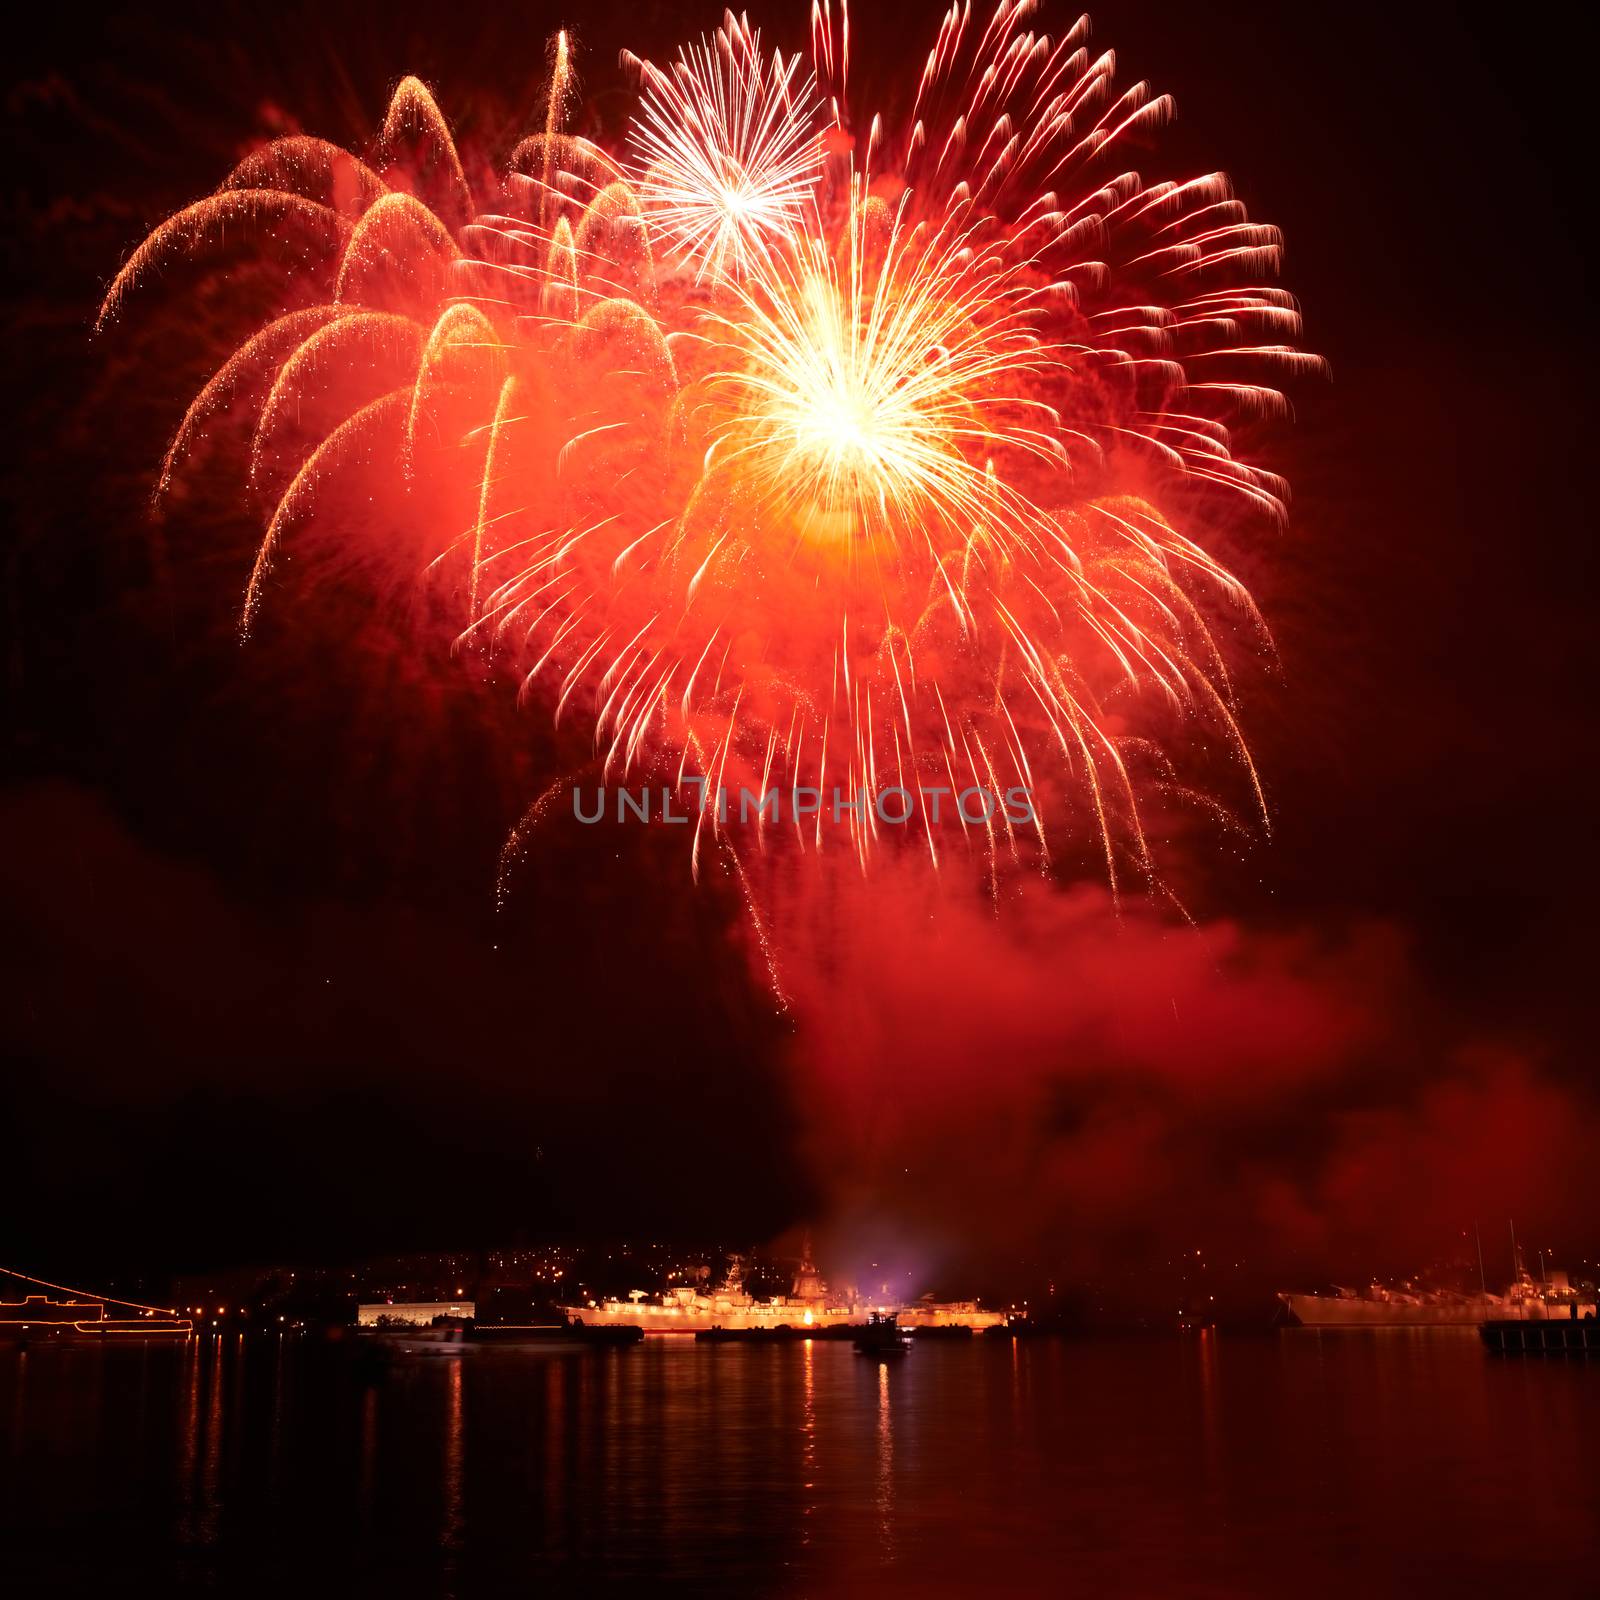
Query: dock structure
1545, 1336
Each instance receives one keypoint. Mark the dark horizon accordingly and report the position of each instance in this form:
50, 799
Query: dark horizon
262, 1006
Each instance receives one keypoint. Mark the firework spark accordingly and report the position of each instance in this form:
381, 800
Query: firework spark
790, 448
729, 148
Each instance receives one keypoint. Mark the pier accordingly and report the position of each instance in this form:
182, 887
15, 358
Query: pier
1547, 1336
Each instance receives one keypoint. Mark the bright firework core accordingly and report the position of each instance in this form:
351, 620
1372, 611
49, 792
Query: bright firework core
871, 391
793, 445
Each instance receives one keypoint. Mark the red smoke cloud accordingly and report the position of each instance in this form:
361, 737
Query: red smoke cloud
1089, 1088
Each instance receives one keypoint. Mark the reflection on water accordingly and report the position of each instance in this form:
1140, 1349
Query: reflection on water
1308, 1464
450, 1531
885, 1468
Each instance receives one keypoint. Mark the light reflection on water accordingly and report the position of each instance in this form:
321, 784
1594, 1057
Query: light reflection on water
1312, 1464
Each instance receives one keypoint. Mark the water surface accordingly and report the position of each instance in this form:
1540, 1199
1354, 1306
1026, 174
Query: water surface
1299, 1464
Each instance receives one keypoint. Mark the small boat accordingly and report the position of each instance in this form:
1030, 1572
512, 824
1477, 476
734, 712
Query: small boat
553, 1335
883, 1336
443, 1341
784, 1333
721, 1335
946, 1330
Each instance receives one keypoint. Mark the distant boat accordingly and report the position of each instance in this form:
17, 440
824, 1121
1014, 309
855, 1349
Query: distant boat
553, 1335
442, 1341
1377, 1307
883, 1336
1527, 1300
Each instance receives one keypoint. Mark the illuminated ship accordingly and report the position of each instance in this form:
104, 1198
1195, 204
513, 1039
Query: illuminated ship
809, 1304
1378, 1307
83, 1316
1527, 1299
